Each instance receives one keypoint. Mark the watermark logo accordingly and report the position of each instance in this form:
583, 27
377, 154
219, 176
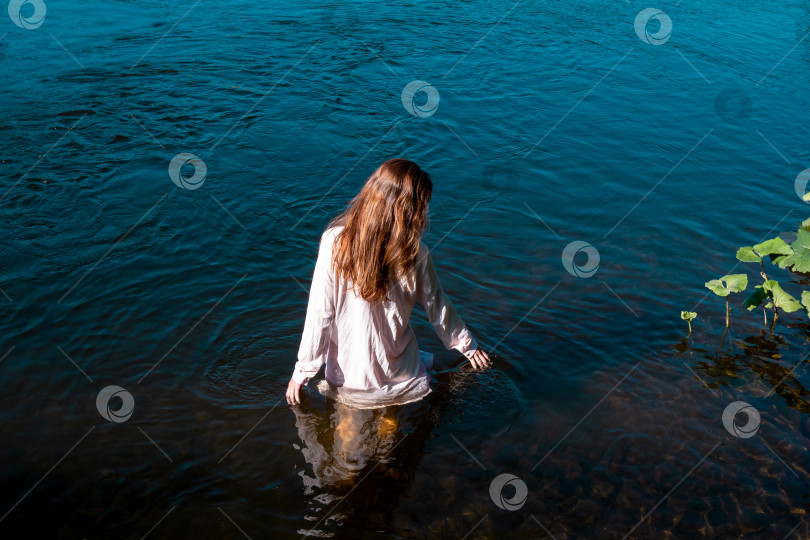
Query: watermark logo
750, 428
103, 404
585, 270
187, 182
733, 106
800, 185
642, 26
33, 20
516, 501
423, 110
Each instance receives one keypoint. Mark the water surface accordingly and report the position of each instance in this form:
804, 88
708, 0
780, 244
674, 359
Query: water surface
556, 123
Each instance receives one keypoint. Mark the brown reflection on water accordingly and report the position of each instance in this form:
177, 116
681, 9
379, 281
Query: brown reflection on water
653, 459
774, 361
360, 464
358, 461
340, 444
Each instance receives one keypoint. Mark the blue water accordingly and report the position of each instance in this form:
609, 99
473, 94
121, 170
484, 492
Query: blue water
555, 123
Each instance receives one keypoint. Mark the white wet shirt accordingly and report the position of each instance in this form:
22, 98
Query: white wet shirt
370, 350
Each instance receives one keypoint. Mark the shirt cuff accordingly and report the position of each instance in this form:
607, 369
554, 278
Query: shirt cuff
468, 346
302, 377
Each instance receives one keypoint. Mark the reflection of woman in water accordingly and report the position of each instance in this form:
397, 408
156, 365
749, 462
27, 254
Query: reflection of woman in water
371, 269
360, 436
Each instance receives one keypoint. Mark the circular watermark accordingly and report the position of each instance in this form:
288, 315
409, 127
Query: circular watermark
642, 26
423, 109
516, 501
33, 20
733, 106
584, 270
121, 414
750, 428
500, 178
800, 184
187, 182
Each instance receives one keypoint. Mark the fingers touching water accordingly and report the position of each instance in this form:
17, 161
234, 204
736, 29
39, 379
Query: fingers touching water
480, 360
294, 393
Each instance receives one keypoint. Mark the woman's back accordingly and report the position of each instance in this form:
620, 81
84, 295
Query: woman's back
371, 269
372, 356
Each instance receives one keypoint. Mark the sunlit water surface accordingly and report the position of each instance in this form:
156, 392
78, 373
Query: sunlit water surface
557, 124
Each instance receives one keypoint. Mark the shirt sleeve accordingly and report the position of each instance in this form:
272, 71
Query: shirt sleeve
440, 310
320, 315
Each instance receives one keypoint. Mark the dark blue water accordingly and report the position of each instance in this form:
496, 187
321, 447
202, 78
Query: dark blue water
555, 123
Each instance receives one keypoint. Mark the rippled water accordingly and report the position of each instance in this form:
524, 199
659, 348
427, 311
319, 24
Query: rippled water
556, 123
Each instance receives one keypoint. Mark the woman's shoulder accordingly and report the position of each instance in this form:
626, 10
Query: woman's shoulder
423, 254
423, 248
331, 232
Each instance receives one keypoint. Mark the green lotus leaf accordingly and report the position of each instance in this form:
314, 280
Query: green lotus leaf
688, 315
754, 300
728, 284
799, 261
780, 298
774, 246
806, 196
806, 301
746, 254
806, 223
717, 287
736, 282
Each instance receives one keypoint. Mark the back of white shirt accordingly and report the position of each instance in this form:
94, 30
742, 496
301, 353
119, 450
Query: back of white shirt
371, 354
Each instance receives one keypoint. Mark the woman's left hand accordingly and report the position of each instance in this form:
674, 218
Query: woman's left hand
294, 393
480, 360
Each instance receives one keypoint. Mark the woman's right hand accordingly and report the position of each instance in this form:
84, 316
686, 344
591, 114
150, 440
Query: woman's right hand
480, 360
294, 393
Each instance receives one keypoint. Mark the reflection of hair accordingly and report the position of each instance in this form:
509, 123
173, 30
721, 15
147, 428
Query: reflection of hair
382, 228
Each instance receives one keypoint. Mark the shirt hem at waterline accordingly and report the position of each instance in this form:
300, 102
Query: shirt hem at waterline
333, 392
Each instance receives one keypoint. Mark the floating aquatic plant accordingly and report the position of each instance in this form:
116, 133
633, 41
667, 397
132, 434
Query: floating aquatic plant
689, 316
798, 260
806, 301
724, 286
794, 257
776, 296
775, 248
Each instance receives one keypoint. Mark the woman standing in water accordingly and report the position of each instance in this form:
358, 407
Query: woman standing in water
371, 269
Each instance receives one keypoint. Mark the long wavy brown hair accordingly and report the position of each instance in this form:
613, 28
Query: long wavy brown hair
382, 228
